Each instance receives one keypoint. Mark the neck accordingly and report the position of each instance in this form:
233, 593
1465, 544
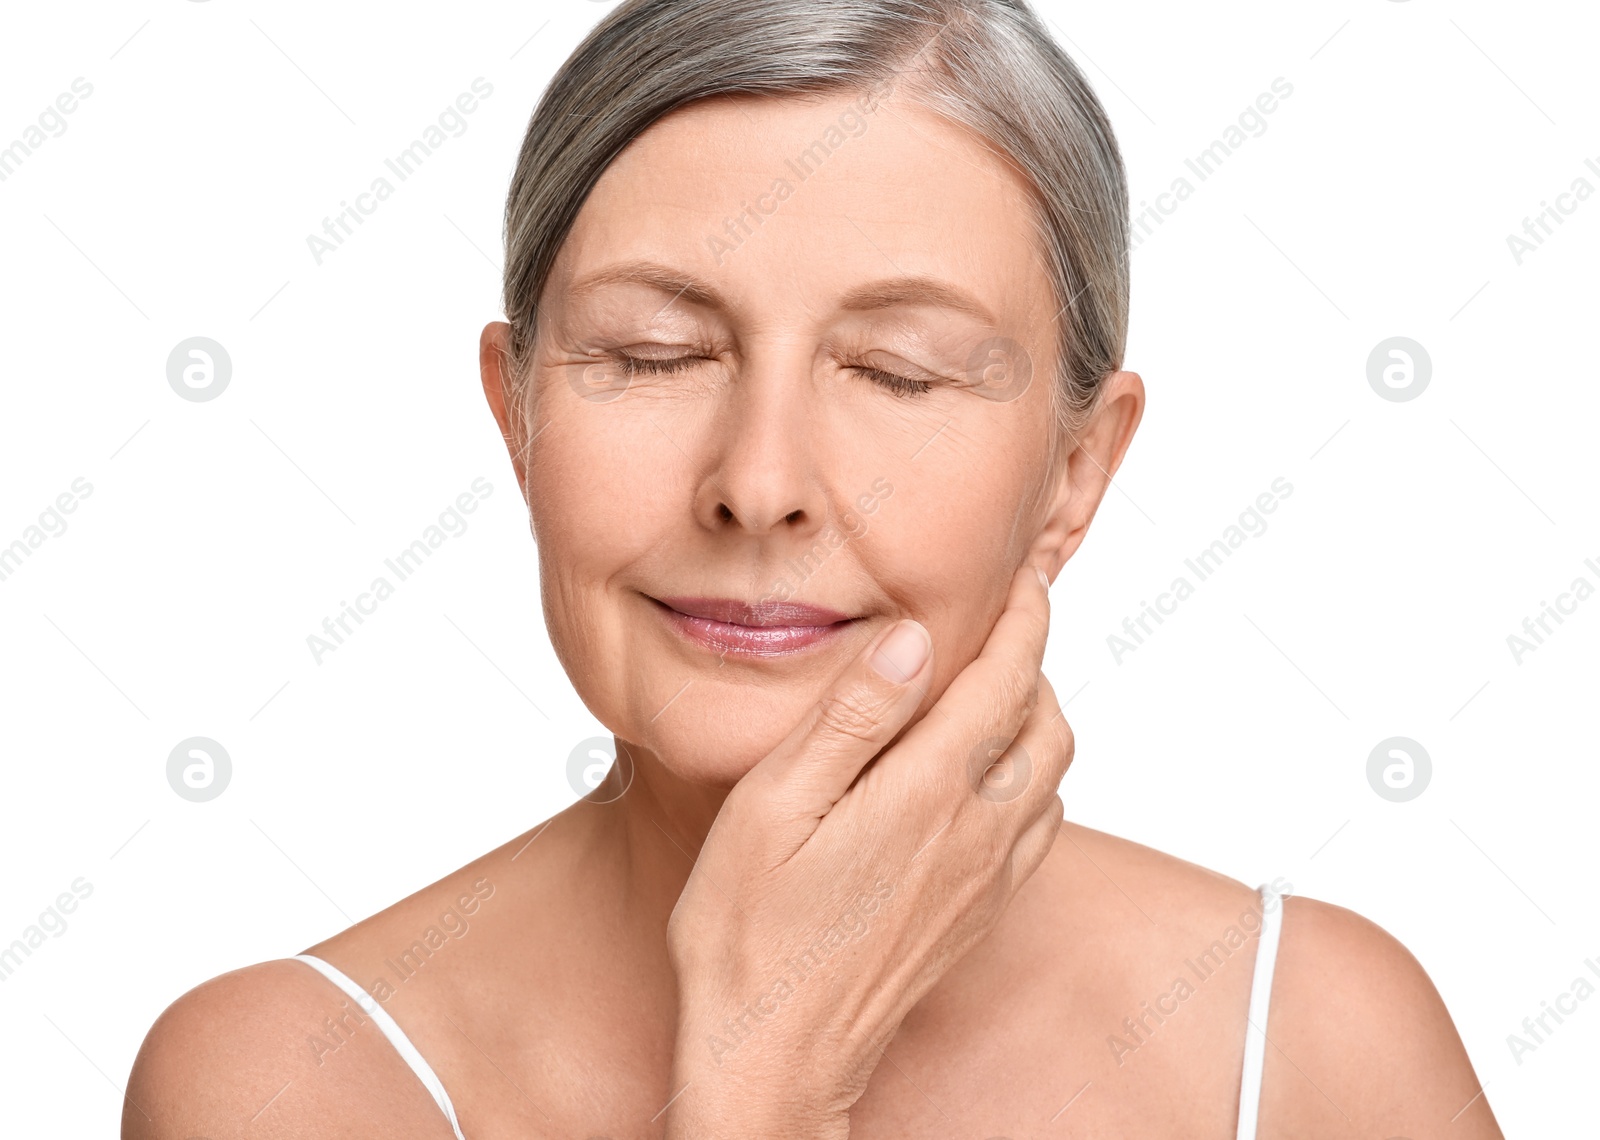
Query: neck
645, 827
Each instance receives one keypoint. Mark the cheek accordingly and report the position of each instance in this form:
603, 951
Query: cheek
601, 479
602, 499
944, 547
952, 526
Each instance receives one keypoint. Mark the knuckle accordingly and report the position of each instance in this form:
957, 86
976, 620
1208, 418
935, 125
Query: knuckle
1055, 810
1057, 748
850, 713
1062, 736
1047, 695
1002, 770
746, 806
1019, 688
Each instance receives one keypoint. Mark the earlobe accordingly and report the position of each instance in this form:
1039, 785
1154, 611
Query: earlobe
1057, 537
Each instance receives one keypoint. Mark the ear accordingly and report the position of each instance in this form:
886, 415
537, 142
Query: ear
494, 364
1083, 469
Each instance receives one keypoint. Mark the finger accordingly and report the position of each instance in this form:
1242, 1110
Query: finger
984, 707
1019, 776
1017, 640
867, 704
1035, 843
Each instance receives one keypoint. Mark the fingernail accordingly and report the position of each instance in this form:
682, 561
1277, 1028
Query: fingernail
901, 654
1044, 579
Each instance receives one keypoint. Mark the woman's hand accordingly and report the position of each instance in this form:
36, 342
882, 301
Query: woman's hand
831, 894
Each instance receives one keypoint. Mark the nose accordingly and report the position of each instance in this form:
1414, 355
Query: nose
765, 477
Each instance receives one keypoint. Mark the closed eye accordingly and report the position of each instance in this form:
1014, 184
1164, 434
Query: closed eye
654, 365
895, 383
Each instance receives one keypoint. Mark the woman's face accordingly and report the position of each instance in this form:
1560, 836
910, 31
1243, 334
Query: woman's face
791, 384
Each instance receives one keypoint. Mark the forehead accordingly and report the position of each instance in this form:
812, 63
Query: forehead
797, 200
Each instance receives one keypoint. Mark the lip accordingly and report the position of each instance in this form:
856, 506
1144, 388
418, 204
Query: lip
759, 629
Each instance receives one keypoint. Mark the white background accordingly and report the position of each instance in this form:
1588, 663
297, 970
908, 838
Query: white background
218, 535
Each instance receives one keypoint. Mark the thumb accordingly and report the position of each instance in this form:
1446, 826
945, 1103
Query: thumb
862, 710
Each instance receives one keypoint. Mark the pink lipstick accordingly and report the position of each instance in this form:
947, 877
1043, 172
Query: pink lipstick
761, 629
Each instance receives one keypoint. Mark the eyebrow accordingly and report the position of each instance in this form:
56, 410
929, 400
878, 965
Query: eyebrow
914, 291
884, 294
655, 276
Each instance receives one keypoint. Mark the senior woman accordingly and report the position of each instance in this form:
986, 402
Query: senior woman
812, 380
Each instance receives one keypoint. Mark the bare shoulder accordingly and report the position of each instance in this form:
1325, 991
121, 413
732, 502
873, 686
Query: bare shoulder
276, 1049
238, 1054
1161, 890
1361, 1041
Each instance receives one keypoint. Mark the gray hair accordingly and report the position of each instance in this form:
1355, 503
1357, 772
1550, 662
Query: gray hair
987, 65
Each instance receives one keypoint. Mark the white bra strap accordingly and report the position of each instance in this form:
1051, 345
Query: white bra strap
1255, 1040
391, 1030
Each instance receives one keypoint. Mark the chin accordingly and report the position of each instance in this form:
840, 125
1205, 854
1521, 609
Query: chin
716, 731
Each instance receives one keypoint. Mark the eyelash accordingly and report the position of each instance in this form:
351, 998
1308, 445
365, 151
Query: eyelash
642, 365
897, 385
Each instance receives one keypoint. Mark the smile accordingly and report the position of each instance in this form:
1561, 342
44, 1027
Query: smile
760, 629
